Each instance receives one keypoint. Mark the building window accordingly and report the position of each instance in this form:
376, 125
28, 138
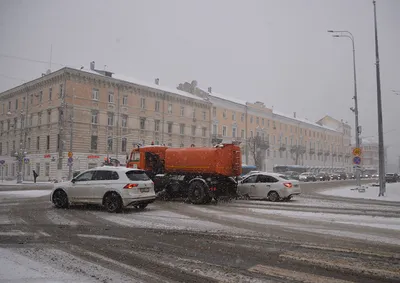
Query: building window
48, 143
170, 108
29, 143
194, 113
234, 132
1, 148
16, 104
169, 127
124, 121
242, 117
143, 103
224, 114
110, 97
109, 143
22, 122
50, 93
123, 144
182, 129
193, 130
182, 111
13, 145
9, 106
224, 131
242, 134
157, 106
257, 120
262, 121
251, 119
157, 125
93, 143
38, 169
204, 131
38, 143
47, 169
40, 96
214, 111
110, 120
39, 118
215, 129
95, 116
204, 115
49, 116
95, 94
142, 123
61, 91
125, 100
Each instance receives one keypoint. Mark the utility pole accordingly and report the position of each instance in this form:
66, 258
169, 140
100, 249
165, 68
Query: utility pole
71, 131
382, 184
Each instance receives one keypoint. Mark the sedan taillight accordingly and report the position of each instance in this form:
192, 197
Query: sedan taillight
130, 186
288, 185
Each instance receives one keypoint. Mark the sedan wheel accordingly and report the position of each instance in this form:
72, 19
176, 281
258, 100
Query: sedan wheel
273, 196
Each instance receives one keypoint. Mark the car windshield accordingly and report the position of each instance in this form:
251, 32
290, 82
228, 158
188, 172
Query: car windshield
137, 175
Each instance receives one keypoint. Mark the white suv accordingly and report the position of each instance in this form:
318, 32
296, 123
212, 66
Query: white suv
113, 187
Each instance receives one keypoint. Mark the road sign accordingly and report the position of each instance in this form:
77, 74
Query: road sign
26, 160
2, 162
357, 160
357, 151
70, 154
70, 159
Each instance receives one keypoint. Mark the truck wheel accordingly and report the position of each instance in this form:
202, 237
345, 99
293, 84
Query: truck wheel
197, 192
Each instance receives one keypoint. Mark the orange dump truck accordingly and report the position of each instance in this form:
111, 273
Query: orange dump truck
200, 174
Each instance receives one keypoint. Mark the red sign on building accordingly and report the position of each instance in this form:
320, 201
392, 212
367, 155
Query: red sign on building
47, 156
93, 156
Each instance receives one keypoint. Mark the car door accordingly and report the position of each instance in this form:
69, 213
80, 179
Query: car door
247, 186
262, 187
79, 187
102, 181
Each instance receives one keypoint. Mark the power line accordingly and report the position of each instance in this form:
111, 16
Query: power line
29, 59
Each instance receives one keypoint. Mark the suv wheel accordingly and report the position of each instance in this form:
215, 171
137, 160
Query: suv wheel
113, 202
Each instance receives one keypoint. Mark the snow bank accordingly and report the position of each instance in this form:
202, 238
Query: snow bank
24, 194
392, 192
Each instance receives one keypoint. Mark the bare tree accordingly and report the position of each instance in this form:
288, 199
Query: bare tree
297, 152
257, 147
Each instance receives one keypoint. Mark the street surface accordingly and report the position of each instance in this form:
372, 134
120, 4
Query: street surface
314, 238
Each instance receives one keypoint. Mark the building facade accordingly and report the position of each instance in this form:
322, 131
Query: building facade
93, 115
270, 138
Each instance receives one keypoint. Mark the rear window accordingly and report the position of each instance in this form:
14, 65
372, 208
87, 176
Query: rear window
137, 175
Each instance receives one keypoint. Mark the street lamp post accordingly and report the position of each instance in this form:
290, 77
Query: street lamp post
382, 182
20, 156
344, 33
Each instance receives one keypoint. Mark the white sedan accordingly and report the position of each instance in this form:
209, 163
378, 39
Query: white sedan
112, 187
272, 186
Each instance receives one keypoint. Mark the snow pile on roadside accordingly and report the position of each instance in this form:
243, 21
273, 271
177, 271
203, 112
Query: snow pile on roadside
24, 194
371, 192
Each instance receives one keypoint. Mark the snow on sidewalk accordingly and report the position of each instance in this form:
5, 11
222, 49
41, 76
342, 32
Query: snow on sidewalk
23, 194
371, 192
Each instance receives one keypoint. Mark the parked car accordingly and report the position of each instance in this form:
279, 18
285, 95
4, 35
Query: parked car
351, 176
292, 175
334, 176
322, 176
391, 177
112, 187
342, 175
375, 176
307, 177
271, 186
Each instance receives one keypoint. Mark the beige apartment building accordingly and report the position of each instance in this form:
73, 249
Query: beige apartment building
278, 138
93, 114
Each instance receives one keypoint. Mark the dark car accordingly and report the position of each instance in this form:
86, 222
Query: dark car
342, 176
335, 176
322, 176
307, 177
391, 177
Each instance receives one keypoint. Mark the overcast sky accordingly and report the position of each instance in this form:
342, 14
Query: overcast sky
275, 51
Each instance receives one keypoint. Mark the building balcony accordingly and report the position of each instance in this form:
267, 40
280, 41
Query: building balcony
299, 149
282, 147
312, 151
334, 154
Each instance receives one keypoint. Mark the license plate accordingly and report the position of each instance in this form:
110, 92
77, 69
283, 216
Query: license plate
144, 190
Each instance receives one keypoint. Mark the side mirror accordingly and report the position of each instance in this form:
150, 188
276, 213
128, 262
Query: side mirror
73, 180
